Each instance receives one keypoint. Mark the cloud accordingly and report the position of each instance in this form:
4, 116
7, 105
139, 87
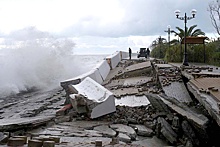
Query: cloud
142, 18
109, 18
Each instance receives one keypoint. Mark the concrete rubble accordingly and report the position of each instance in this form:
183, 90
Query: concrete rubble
95, 100
87, 114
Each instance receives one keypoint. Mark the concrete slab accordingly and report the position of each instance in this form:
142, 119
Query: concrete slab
113, 72
97, 93
105, 130
124, 129
196, 118
125, 91
133, 81
162, 66
151, 142
138, 66
21, 123
143, 130
210, 104
124, 137
136, 80
208, 84
132, 101
178, 91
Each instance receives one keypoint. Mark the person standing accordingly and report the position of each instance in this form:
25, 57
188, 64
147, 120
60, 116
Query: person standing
148, 53
129, 50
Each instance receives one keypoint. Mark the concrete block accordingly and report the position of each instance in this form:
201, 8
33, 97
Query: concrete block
115, 58
72, 81
124, 55
104, 99
96, 76
103, 69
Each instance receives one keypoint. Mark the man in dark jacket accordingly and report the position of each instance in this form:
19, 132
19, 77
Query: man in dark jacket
130, 53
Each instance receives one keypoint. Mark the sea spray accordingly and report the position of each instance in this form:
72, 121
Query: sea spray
33, 59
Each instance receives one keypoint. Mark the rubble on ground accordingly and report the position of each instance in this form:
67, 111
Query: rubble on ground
90, 111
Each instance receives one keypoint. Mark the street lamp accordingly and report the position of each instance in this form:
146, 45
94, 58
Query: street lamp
185, 18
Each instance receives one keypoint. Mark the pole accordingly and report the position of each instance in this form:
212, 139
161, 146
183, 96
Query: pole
160, 46
169, 38
204, 51
185, 60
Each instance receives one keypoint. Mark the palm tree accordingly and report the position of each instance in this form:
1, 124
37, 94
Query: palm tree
158, 41
189, 32
157, 47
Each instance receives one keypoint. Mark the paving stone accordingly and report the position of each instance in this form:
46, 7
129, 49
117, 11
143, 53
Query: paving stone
143, 130
105, 130
125, 129
123, 137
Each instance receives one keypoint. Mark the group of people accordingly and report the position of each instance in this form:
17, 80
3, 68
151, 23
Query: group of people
130, 52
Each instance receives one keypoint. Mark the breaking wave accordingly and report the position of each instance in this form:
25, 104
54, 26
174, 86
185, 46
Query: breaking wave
30, 59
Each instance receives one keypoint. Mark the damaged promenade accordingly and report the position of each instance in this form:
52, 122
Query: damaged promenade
122, 102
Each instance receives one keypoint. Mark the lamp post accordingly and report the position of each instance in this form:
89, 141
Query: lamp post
168, 31
185, 18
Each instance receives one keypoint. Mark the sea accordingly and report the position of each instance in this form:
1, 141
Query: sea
37, 63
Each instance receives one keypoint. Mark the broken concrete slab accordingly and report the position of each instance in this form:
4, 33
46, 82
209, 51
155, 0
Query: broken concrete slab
124, 129
207, 101
21, 123
162, 66
178, 91
157, 103
188, 131
138, 66
105, 130
104, 99
132, 101
143, 130
124, 137
136, 80
151, 142
124, 91
138, 69
167, 130
132, 81
103, 69
197, 119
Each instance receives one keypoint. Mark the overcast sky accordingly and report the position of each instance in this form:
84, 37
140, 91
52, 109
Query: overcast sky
103, 26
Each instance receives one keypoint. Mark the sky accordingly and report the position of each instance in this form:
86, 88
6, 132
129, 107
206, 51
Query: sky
100, 26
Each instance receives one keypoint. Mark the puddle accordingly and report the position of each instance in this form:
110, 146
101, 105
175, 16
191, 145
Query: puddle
132, 101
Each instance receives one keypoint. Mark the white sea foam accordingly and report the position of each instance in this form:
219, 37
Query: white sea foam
30, 58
